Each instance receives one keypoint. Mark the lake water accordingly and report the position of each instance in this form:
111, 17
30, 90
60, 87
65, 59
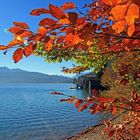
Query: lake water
30, 112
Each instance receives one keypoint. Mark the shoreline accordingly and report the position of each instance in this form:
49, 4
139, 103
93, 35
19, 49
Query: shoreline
90, 133
95, 132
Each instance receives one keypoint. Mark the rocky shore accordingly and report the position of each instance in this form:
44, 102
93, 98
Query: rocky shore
95, 132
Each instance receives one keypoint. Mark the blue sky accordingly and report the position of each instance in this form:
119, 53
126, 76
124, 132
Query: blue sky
18, 10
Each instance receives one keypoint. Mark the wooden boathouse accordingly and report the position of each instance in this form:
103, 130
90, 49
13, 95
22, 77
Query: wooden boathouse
88, 82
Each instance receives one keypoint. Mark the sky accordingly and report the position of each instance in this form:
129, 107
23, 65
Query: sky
18, 10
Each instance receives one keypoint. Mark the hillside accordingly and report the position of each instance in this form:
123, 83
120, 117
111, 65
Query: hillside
20, 76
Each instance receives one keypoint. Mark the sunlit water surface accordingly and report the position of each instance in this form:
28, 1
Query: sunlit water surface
30, 112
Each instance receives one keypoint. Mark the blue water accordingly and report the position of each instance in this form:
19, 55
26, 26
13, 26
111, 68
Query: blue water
30, 112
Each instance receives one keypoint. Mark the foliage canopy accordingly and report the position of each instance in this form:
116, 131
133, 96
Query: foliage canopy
106, 36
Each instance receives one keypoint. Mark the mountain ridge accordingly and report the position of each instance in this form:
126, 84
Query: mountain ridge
21, 76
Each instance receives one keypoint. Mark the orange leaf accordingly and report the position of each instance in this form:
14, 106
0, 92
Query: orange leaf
42, 30
72, 39
2, 47
60, 39
68, 5
84, 106
18, 55
37, 12
16, 29
47, 21
15, 42
78, 103
56, 11
114, 110
132, 14
103, 99
56, 26
24, 34
72, 16
119, 11
36, 37
21, 24
69, 100
80, 20
119, 26
131, 29
64, 21
45, 39
49, 45
28, 50
115, 48
97, 109
112, 2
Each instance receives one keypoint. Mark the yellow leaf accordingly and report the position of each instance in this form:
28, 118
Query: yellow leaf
18, 38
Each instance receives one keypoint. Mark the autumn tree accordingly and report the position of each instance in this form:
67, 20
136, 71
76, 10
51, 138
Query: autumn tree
108, 33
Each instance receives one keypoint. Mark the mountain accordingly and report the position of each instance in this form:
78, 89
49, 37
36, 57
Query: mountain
20, 76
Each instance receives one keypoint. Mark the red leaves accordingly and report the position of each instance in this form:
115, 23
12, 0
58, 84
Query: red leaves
119, 26
49, 45
72, 39
83, 107
2, 47
78, 103
114, 110
79, 31
125, 15
43, 31
110, 131
72, 16
95, 109
21, 24
16, 29
119, 11
56, 11
38, 12
57, 93
20, 31
132, 14
24, 34
112, 2
131, 29
47, 22
67, 6
69, 18
15, 42
18, 55
103, 99
68, 100
95, 92
28, 50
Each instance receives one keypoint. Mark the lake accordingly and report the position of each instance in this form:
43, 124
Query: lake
30, 112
